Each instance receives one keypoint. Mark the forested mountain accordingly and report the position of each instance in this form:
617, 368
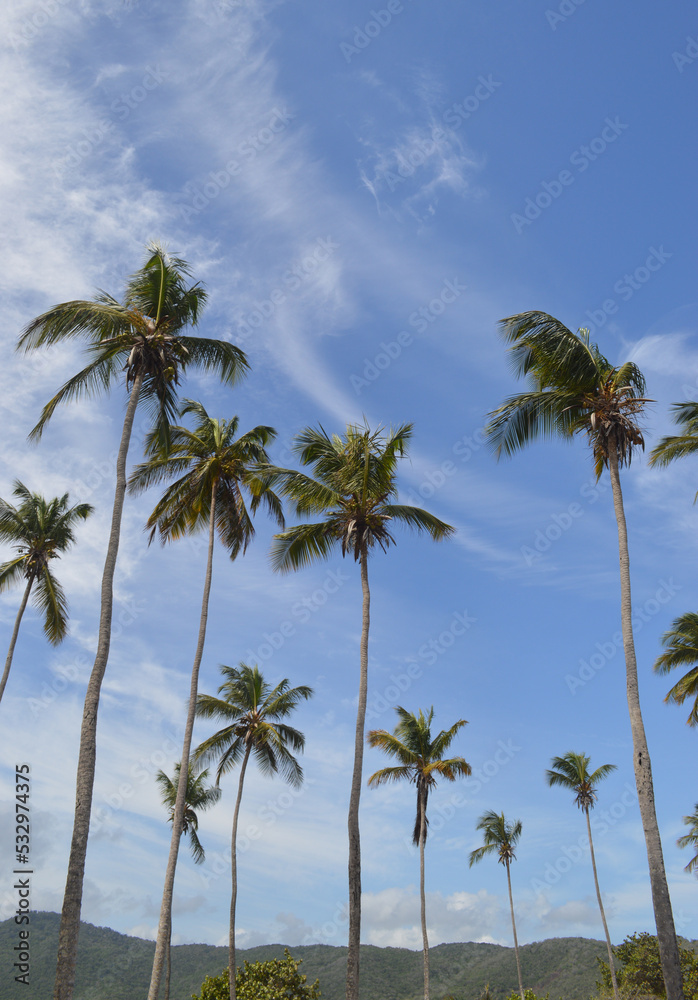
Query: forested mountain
112, 966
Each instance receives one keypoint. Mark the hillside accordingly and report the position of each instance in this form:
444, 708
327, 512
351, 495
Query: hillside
112, 966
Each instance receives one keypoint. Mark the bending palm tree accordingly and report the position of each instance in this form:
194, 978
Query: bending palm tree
573, 389
679, 445
197, 796
143, 337
681, 650
354, 488
40, 530
253, 713
690, 839
421, 761
501, 837
572, 771
214, 471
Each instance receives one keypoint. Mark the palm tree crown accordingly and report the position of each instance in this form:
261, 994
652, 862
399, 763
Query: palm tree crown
199, 796
40, 530
420, 758
354, 486
500, 836
572, 771
690, 839
253, 711
141, 336
210, 462
681, 650
573, 388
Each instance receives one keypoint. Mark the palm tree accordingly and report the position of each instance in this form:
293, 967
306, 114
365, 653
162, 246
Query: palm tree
680, 650
421, 761
573, 388
679, 445
214, 470
40, 530
142, 337
253, 714
355, 488
501, 838
690, 839
198, 796
572, 771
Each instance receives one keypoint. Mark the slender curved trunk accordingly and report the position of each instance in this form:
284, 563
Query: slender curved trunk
165, 923
234, 875
422, 894
666, 933
15, 633
87, 756
513, 927
353, 956
603, 914
168, 972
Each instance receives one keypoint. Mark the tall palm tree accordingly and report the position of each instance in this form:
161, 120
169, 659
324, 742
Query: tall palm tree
501, 838
574, 389
253, 713
681, 650
690, 839
420, 760
354, 489
678, 445
572, 771
40, 530
214, 471
142, 337
199, 796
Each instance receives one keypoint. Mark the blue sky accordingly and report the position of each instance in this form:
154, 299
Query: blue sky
365, 192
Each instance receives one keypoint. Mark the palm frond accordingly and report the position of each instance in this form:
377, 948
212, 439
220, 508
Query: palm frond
419, 519
50, 600
302, 545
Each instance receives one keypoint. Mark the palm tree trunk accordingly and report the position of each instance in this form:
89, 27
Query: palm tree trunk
87, 757
15, 633
513, 927
422, 895
603, 915
666, 933
165, 922
353, 956
168, 973
234, 875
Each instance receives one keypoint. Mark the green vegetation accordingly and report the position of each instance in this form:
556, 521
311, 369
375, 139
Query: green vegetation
112, 966
640, 971
277, 979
